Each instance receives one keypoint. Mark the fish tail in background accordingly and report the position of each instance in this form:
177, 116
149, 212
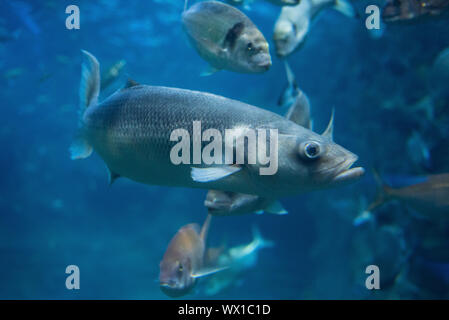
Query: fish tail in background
89, 91
185, 4
289, 72
258, 241
205, 228
276, 207
383, 192
364, 215
345, 7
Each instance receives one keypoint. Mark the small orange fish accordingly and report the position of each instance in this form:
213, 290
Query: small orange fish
430, 198
183, 261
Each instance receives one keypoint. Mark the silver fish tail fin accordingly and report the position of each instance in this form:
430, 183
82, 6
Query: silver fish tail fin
90, 81
89, 92
383, 192
80, 148
258, 241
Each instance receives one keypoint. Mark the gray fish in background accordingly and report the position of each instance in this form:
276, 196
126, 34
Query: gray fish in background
429, 197
131, 132
183, 261
299, 112
293, 24
296, 99
225, 203
226, 38
238, 260
289, 94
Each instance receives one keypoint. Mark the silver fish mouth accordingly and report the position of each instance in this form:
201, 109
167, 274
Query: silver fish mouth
173, 292
345, 173
262, 60
265, 65
215, 205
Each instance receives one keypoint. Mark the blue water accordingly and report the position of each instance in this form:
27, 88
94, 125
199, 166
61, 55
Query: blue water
55, 212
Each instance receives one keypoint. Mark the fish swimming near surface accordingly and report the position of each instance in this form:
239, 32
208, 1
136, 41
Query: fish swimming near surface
238, 260
133, 132
429, 196
413, 10
299, 104
183, 261
293, 24
226, 38
291, 90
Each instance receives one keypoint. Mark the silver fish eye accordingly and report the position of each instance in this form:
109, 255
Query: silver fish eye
311, 150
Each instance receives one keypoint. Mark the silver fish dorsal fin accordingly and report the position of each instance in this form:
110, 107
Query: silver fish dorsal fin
329, 132
131, 83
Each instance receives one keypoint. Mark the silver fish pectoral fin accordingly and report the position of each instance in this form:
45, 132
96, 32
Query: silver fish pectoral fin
213, 173
207, 271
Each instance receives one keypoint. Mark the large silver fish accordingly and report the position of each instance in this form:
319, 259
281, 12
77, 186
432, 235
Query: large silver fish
131, 131
226, 38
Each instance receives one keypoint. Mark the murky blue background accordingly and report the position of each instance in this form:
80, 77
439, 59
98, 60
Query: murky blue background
55, 212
